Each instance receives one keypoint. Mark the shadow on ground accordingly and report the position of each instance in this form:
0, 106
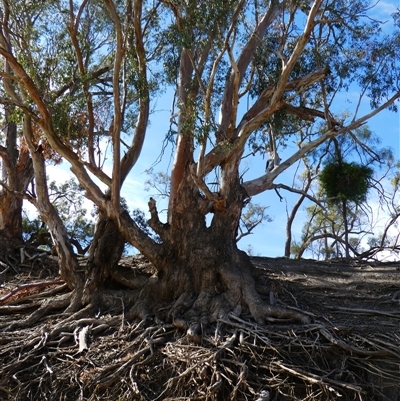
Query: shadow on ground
350, 351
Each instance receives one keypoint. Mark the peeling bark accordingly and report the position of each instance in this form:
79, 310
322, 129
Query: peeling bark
69, 268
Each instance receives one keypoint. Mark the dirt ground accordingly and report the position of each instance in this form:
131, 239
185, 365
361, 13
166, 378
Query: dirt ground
350, 350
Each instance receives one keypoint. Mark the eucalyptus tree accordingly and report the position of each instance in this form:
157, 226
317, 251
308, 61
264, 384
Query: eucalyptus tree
15, 162
340, 177
242, 72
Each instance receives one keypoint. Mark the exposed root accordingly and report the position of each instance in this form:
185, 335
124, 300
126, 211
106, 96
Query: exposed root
46, 307
22, 290
100, 353
237, 360
193, 303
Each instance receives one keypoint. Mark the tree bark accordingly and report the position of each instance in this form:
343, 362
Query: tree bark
346, 230
104, 254
67, 260
201, 274
202, 278
17, 174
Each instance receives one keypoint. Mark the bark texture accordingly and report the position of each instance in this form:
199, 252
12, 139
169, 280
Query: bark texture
201, 274
17, 174
104, 255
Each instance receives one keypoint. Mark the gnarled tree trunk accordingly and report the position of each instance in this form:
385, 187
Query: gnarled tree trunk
201, 274
69, 268
104, 254
16, 175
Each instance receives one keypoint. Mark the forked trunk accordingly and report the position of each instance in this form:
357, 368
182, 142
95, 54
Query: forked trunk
201, 274
17, 173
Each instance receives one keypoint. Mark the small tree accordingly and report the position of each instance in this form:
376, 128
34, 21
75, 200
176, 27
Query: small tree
345, 183
68, 199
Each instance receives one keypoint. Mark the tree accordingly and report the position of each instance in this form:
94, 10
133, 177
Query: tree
17, 173
16, 166
68, 199
340, 205
287, 59
388, 239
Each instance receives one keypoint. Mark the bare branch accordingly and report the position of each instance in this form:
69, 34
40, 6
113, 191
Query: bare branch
133, 153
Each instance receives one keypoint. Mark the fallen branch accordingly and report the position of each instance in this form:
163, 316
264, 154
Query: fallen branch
355, 350
315, 379
27, 287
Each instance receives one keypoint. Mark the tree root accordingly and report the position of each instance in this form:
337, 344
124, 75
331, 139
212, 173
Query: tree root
48, 305
234, 359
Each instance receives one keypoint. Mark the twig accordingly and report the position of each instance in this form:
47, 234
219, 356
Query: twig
366, 311
354, 350
395, 295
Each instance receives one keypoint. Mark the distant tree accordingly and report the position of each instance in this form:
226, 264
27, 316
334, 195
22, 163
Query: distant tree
388, 238
68, 199
324, 233
342, 207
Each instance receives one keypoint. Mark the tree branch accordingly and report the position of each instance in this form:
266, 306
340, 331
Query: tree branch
243, 62
258, 185
117, 120
133, 153
73, 30
298, 191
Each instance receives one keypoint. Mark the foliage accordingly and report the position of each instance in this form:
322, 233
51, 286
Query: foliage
69, 200
346, 181
340, 216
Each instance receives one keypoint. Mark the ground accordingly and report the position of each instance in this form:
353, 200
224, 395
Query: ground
350, 350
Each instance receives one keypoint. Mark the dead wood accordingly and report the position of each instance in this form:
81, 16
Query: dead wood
27, 288
349, 351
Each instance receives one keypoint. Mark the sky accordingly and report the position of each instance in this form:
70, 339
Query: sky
267, 239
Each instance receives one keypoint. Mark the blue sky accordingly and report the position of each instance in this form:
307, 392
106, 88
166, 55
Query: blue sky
269, 238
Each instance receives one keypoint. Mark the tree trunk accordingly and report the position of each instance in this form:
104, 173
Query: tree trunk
17, 174
346, 230
201, 274
69, 268
202, 278
104, 254
10, 216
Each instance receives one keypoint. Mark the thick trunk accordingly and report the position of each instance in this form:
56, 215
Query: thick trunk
205, 285
104, 255
17, 174
10, 216
201, 275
